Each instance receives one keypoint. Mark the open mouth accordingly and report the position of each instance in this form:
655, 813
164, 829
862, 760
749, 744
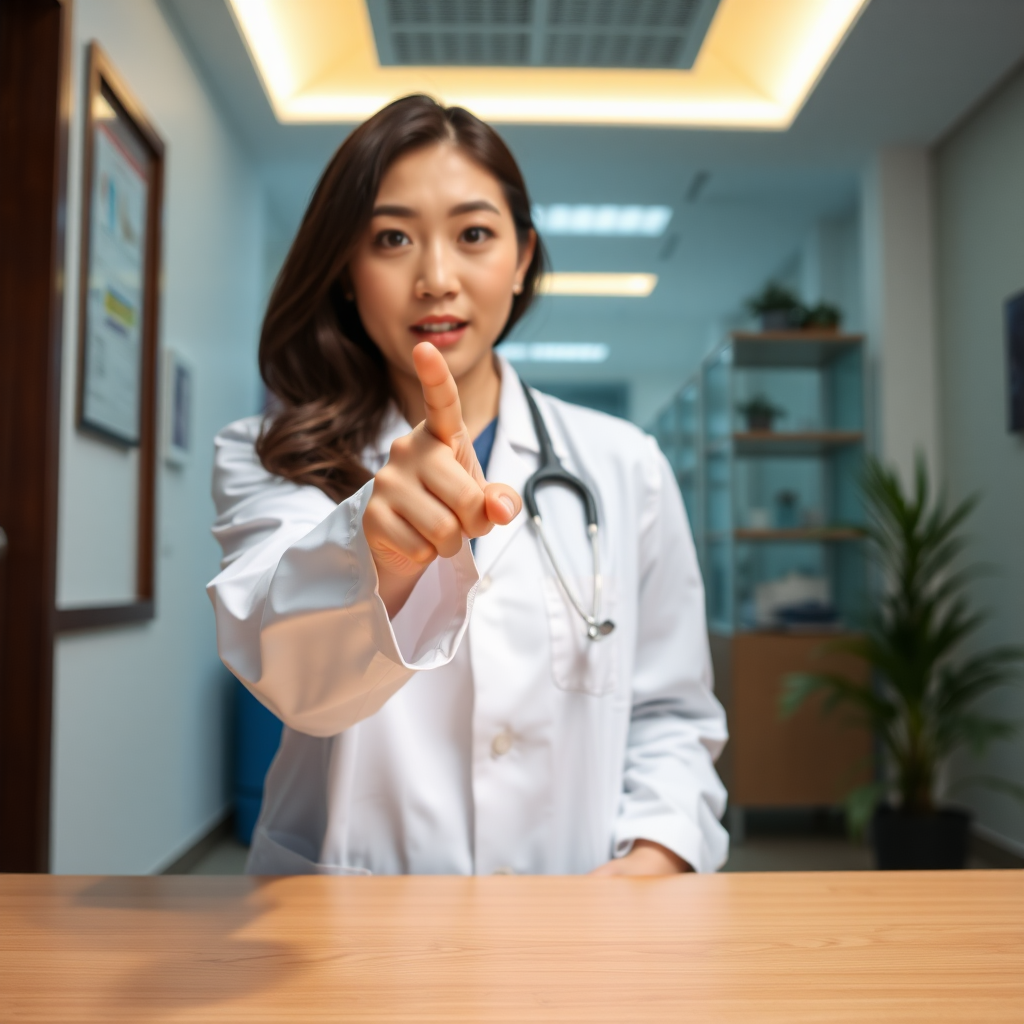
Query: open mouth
443, 330
439, 327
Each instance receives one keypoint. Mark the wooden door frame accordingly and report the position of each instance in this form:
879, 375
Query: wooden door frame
35, 105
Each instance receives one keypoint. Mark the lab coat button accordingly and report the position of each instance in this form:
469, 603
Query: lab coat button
502, 743
485, 584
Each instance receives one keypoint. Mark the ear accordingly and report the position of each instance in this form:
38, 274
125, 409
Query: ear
526, 251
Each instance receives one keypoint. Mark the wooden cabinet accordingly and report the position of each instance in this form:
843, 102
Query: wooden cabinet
808, 760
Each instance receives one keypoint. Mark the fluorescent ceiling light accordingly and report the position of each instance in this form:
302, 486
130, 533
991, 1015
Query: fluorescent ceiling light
636, 286
554, 351
759, 62
607, 220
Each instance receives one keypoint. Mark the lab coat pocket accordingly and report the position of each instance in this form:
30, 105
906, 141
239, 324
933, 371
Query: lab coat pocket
579, 664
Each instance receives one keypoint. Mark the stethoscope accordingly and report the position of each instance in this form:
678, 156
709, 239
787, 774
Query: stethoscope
551, 471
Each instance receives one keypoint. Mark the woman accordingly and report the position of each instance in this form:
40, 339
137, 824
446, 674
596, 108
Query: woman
381, 590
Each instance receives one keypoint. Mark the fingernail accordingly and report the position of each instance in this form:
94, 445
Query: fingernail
508, 504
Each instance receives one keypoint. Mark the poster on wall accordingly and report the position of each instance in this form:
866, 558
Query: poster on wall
1015, 361
115, 306
118, 295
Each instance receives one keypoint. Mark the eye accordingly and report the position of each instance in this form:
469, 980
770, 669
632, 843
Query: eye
476, 235
392, 238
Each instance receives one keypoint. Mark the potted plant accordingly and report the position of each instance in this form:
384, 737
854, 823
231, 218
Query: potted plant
778, 308
759, 413
922, 707
822, 317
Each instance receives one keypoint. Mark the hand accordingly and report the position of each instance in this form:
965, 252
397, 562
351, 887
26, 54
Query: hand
646, 858
432, 492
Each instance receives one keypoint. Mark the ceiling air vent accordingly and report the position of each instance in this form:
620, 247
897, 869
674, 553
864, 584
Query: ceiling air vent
541, 33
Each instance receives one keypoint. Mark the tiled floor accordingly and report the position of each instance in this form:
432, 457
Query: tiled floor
226, 858
800, 853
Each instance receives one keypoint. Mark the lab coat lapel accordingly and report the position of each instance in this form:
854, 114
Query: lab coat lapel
513, 459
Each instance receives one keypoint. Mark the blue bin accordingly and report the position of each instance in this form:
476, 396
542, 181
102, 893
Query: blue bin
257, 737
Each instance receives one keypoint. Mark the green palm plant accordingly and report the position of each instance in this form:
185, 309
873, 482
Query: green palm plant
922, 706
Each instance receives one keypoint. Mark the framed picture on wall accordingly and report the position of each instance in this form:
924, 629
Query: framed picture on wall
119, 275
1015, 362
178, 400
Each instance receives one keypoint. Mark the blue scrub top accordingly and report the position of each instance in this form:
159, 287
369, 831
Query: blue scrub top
482, 446
484, 443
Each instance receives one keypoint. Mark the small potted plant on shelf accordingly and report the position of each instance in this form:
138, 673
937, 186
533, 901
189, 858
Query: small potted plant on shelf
822, 317
778, 308
922, 707
759, 413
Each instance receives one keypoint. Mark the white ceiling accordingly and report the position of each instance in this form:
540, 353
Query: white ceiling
909, 71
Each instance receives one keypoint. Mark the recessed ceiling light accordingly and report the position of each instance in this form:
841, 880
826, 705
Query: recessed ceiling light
606, 219
554, 351
759, 61
637, 286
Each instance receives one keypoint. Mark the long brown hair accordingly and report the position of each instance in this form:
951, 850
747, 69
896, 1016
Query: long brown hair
328, 378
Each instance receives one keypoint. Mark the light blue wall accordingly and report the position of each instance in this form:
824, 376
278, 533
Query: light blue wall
140, 715
980, 221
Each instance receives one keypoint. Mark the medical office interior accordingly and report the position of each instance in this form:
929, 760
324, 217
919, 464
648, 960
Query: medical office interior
862, 159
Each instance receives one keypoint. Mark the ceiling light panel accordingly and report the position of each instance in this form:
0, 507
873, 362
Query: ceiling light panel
554, 351
606, 220
630, 286
760, 59
540, 33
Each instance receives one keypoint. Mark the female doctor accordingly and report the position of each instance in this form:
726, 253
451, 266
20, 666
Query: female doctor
465, 688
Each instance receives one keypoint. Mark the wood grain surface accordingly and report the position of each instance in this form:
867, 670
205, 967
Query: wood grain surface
935, 947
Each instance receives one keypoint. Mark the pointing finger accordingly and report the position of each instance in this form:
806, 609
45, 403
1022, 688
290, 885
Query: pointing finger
440, 395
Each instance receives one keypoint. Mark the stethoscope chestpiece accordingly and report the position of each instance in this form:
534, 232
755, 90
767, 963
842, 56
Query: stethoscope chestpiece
598, 630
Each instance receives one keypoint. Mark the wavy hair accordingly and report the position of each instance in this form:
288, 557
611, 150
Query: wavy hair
328, 379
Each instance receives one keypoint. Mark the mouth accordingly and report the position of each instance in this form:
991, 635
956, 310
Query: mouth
441, 330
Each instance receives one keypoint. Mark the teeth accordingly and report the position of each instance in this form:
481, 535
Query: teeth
449, 325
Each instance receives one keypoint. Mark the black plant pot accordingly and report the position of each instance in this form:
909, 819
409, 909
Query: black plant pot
920, 842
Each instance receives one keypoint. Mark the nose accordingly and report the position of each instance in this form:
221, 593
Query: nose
437, 277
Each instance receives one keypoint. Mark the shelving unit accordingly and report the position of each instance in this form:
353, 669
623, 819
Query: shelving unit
771, 505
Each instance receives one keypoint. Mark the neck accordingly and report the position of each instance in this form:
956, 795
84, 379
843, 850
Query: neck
479, 394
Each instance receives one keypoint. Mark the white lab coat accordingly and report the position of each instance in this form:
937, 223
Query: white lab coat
480, 731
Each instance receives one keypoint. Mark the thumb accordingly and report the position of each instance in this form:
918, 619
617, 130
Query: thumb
501, 503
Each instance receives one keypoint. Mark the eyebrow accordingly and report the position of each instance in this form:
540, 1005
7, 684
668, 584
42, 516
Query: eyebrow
390, 210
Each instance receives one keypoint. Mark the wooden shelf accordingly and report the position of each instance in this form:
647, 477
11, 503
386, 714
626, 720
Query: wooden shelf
807, 442
791, 348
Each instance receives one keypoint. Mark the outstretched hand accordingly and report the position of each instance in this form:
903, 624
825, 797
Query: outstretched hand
432, 493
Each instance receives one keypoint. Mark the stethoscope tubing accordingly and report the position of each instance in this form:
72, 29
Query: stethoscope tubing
551, 471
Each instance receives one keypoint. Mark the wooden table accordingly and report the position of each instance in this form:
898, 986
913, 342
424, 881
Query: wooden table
861, 947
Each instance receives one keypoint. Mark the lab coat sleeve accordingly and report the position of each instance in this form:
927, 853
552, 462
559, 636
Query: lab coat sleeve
299, 619
672, 794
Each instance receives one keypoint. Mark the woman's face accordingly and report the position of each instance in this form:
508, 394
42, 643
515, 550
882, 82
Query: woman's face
440, 260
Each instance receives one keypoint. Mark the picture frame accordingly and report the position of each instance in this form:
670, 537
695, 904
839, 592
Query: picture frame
178, 402
1015, 363
118, 305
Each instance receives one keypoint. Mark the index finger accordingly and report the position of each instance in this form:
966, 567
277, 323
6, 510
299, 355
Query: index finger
440, 393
